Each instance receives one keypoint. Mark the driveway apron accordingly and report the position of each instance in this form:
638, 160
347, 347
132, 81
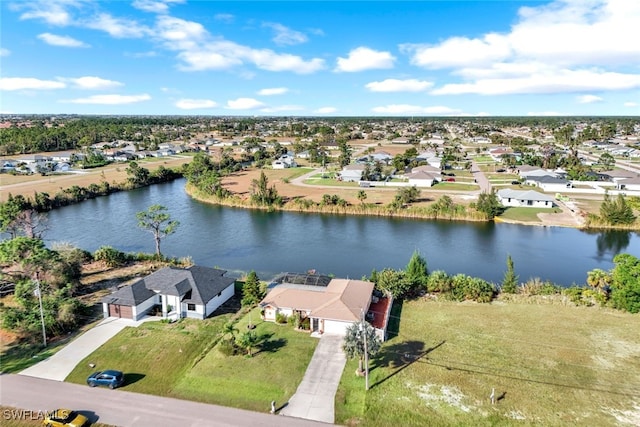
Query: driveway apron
58, 366
314, 398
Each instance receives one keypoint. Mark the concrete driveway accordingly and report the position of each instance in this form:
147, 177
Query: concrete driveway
58, 366
314, 398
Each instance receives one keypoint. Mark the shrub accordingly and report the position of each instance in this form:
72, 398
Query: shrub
112, 257
228, 347
281, 318
439, 281
535, 286
471, 288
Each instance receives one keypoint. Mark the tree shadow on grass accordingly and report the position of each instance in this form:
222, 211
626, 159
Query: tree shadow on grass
400, 356
131, 378
271, 346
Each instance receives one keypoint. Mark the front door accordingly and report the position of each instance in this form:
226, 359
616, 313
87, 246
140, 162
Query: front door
314, 324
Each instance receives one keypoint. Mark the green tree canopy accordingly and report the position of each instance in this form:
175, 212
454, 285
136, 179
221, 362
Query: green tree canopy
158, 222
416, 271
252, 290
510, 281
353, 344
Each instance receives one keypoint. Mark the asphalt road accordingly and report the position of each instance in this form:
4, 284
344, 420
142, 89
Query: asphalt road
123, 408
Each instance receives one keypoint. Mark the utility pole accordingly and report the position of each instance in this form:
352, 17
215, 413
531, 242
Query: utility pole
39, 293
366, 353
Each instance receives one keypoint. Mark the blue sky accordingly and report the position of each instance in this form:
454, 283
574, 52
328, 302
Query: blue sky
325, 58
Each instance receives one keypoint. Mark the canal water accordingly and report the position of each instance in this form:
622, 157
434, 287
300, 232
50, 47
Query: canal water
241, 240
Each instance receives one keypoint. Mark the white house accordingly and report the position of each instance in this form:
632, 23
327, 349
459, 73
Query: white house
631, 184
423, 178
528, 198
352, 172
193, 292
330, 304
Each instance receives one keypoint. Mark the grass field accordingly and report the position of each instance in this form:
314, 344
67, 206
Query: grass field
525, 214
550, 365
181, 360
272, 373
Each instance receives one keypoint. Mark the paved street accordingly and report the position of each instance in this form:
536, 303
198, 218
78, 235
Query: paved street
127, 409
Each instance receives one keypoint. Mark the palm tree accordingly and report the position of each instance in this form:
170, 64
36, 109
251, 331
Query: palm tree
229, 329
599, 280
248, 340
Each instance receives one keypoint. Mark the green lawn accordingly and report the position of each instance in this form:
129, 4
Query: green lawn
273, 373
181, 360
155, 356
455, 186
296, 172
526, 214
551, 364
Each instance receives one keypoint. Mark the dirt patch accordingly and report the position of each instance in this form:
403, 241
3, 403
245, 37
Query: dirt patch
113, 173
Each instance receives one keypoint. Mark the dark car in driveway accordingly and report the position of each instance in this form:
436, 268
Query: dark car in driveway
109, 378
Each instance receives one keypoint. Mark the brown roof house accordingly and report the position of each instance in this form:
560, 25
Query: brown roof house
194, 292
331, 305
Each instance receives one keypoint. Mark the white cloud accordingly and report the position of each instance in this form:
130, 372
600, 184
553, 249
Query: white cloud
244, 104
192, 104
227, 18
326, 110
148, 54
630, 104
53, 12
4, 52
363, 58
154, 6
394, 85
459, 52
556, 82
64, 41
273, 91
116, 27
284, 35
414, 109
92, 82
588, 99
547, 45
282, 108
110, 99
22, 83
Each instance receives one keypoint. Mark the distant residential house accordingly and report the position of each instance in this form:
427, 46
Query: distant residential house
431, 158
303, 154
548, 183
481, 140
401, 140
352, 173
632, 184
63, 156
381, 156
525, 198
193, 292
423, 179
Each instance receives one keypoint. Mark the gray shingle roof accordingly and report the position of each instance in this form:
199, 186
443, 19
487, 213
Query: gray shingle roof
195, 284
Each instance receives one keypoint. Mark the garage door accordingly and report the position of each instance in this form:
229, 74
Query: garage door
116, 310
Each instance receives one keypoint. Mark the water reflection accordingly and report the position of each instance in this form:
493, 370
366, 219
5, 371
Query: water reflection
612, 242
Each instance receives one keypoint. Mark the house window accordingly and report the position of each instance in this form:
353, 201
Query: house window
191, 307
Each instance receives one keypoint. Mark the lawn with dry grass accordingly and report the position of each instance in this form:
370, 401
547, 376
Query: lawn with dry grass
550, 364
